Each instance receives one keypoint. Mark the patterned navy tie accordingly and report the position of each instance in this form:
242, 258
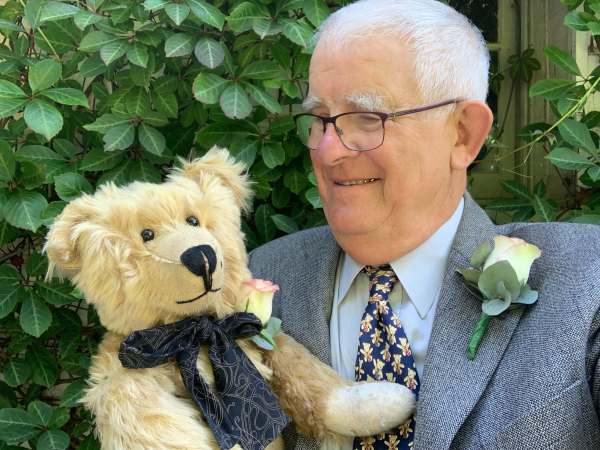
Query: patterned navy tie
384, 354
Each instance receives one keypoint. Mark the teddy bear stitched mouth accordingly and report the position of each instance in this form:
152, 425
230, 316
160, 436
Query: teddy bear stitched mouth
181, 302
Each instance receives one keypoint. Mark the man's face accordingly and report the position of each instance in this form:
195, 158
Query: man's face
399, 186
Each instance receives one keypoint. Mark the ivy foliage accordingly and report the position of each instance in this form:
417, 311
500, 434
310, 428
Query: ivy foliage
115, 90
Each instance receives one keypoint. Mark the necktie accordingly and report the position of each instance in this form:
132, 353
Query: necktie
384, 354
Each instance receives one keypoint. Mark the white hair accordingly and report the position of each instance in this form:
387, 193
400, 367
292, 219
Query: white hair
451, 56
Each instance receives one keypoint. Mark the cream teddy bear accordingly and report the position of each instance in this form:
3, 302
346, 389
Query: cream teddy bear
157, 255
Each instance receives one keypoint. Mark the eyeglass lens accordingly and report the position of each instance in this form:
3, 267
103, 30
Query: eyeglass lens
357, 131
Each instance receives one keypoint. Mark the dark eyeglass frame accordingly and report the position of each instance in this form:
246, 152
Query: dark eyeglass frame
383, 116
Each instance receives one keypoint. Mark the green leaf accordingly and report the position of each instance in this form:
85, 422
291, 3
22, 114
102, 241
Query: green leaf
298, 33
10, 26
45, 368
53, 11
137, 102
35, 316
95, 40
244, 151
67, 96
577, 134
72, 395
261, 70
295, 181
52, 210
480, 255
264, 223
179, 44
155, 5
23, 209
266, 27
177, 12
312, 195
273, 154
9, 298
106, 122
316, 11
143, 171
44, 74
155, 119
53, 440
7, 162
41, 411
573, 20
92, 66
234, 102
98, 160
563, 60
210, 15
151, 139
495, 307
113, 51
17, 425
33, 11
10, 90
568, 159
138, 54
543, 209
594, 173
166, 102
243, 15
10, 106
43, 118
60, 416
264, 99
516, 188
209, 52
84, 19
207, 87
16, 372
40, 155
119, 137
551, 89
69, 186
285, 223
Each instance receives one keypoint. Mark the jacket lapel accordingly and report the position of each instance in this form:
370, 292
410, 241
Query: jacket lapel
308, 320
451, 384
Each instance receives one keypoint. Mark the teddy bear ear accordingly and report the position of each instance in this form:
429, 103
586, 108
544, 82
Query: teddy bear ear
219, 162
61, 244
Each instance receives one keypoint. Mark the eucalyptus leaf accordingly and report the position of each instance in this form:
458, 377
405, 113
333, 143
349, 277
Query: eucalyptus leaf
494, 307
490, 278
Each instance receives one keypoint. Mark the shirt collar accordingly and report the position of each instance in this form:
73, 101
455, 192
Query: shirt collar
420, 271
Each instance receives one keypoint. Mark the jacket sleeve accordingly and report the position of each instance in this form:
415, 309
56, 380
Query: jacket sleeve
593, 360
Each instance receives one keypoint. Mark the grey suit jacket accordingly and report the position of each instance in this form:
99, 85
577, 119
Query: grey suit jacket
535, 383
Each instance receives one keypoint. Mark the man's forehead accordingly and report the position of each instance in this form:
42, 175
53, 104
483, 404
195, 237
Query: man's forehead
370, 100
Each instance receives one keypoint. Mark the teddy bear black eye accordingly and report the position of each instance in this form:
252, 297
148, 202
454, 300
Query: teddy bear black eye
147, 235
193, 221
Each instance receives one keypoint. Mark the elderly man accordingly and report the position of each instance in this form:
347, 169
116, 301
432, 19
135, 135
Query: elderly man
396, 114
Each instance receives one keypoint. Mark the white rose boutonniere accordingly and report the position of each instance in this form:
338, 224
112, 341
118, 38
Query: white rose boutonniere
498, 278
260, 303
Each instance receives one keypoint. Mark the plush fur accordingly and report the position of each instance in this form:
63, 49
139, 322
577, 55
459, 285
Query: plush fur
96, 242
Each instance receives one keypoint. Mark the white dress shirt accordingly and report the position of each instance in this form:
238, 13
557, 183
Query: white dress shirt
413, 300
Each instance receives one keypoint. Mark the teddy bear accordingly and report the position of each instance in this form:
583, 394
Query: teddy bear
169, 259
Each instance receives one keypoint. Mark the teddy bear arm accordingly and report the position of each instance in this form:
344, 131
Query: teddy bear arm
141, 409
323, 405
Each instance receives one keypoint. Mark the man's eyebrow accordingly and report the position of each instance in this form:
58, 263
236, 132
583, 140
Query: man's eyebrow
311, 102
368, 101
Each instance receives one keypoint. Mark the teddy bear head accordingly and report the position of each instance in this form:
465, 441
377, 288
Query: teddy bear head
147, 254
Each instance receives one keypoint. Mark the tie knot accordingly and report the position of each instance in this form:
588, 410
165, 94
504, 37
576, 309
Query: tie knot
383, 275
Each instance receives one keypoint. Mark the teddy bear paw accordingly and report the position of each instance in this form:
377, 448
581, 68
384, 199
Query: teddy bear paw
360, 408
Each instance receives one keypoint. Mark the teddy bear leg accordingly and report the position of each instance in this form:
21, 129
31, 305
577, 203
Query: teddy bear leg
320, 402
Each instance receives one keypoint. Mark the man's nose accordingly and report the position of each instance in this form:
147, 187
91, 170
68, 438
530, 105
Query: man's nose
331, 148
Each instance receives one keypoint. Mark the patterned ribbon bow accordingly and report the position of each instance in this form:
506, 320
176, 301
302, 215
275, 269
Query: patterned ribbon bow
242, 409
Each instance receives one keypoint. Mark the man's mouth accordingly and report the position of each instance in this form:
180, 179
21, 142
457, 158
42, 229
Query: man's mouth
181, 302
357, 182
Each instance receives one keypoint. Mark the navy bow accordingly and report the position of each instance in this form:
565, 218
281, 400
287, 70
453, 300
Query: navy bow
241, 409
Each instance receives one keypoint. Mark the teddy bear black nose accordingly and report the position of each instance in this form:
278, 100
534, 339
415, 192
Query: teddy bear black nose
200, 260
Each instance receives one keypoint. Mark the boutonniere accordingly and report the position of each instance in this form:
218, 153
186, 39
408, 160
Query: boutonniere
260, 303
498, 277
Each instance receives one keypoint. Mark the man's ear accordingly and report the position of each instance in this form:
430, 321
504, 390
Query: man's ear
473, 120
62, 239
218, 162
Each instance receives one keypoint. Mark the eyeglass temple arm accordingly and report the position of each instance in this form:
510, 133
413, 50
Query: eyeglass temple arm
424, 108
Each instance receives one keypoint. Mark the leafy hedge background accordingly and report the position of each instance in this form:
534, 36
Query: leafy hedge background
113, 90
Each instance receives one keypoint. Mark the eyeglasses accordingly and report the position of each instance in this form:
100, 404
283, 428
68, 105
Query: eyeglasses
358, 131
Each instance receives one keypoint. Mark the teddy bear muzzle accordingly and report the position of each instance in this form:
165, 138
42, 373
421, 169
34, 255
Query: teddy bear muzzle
201, 260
